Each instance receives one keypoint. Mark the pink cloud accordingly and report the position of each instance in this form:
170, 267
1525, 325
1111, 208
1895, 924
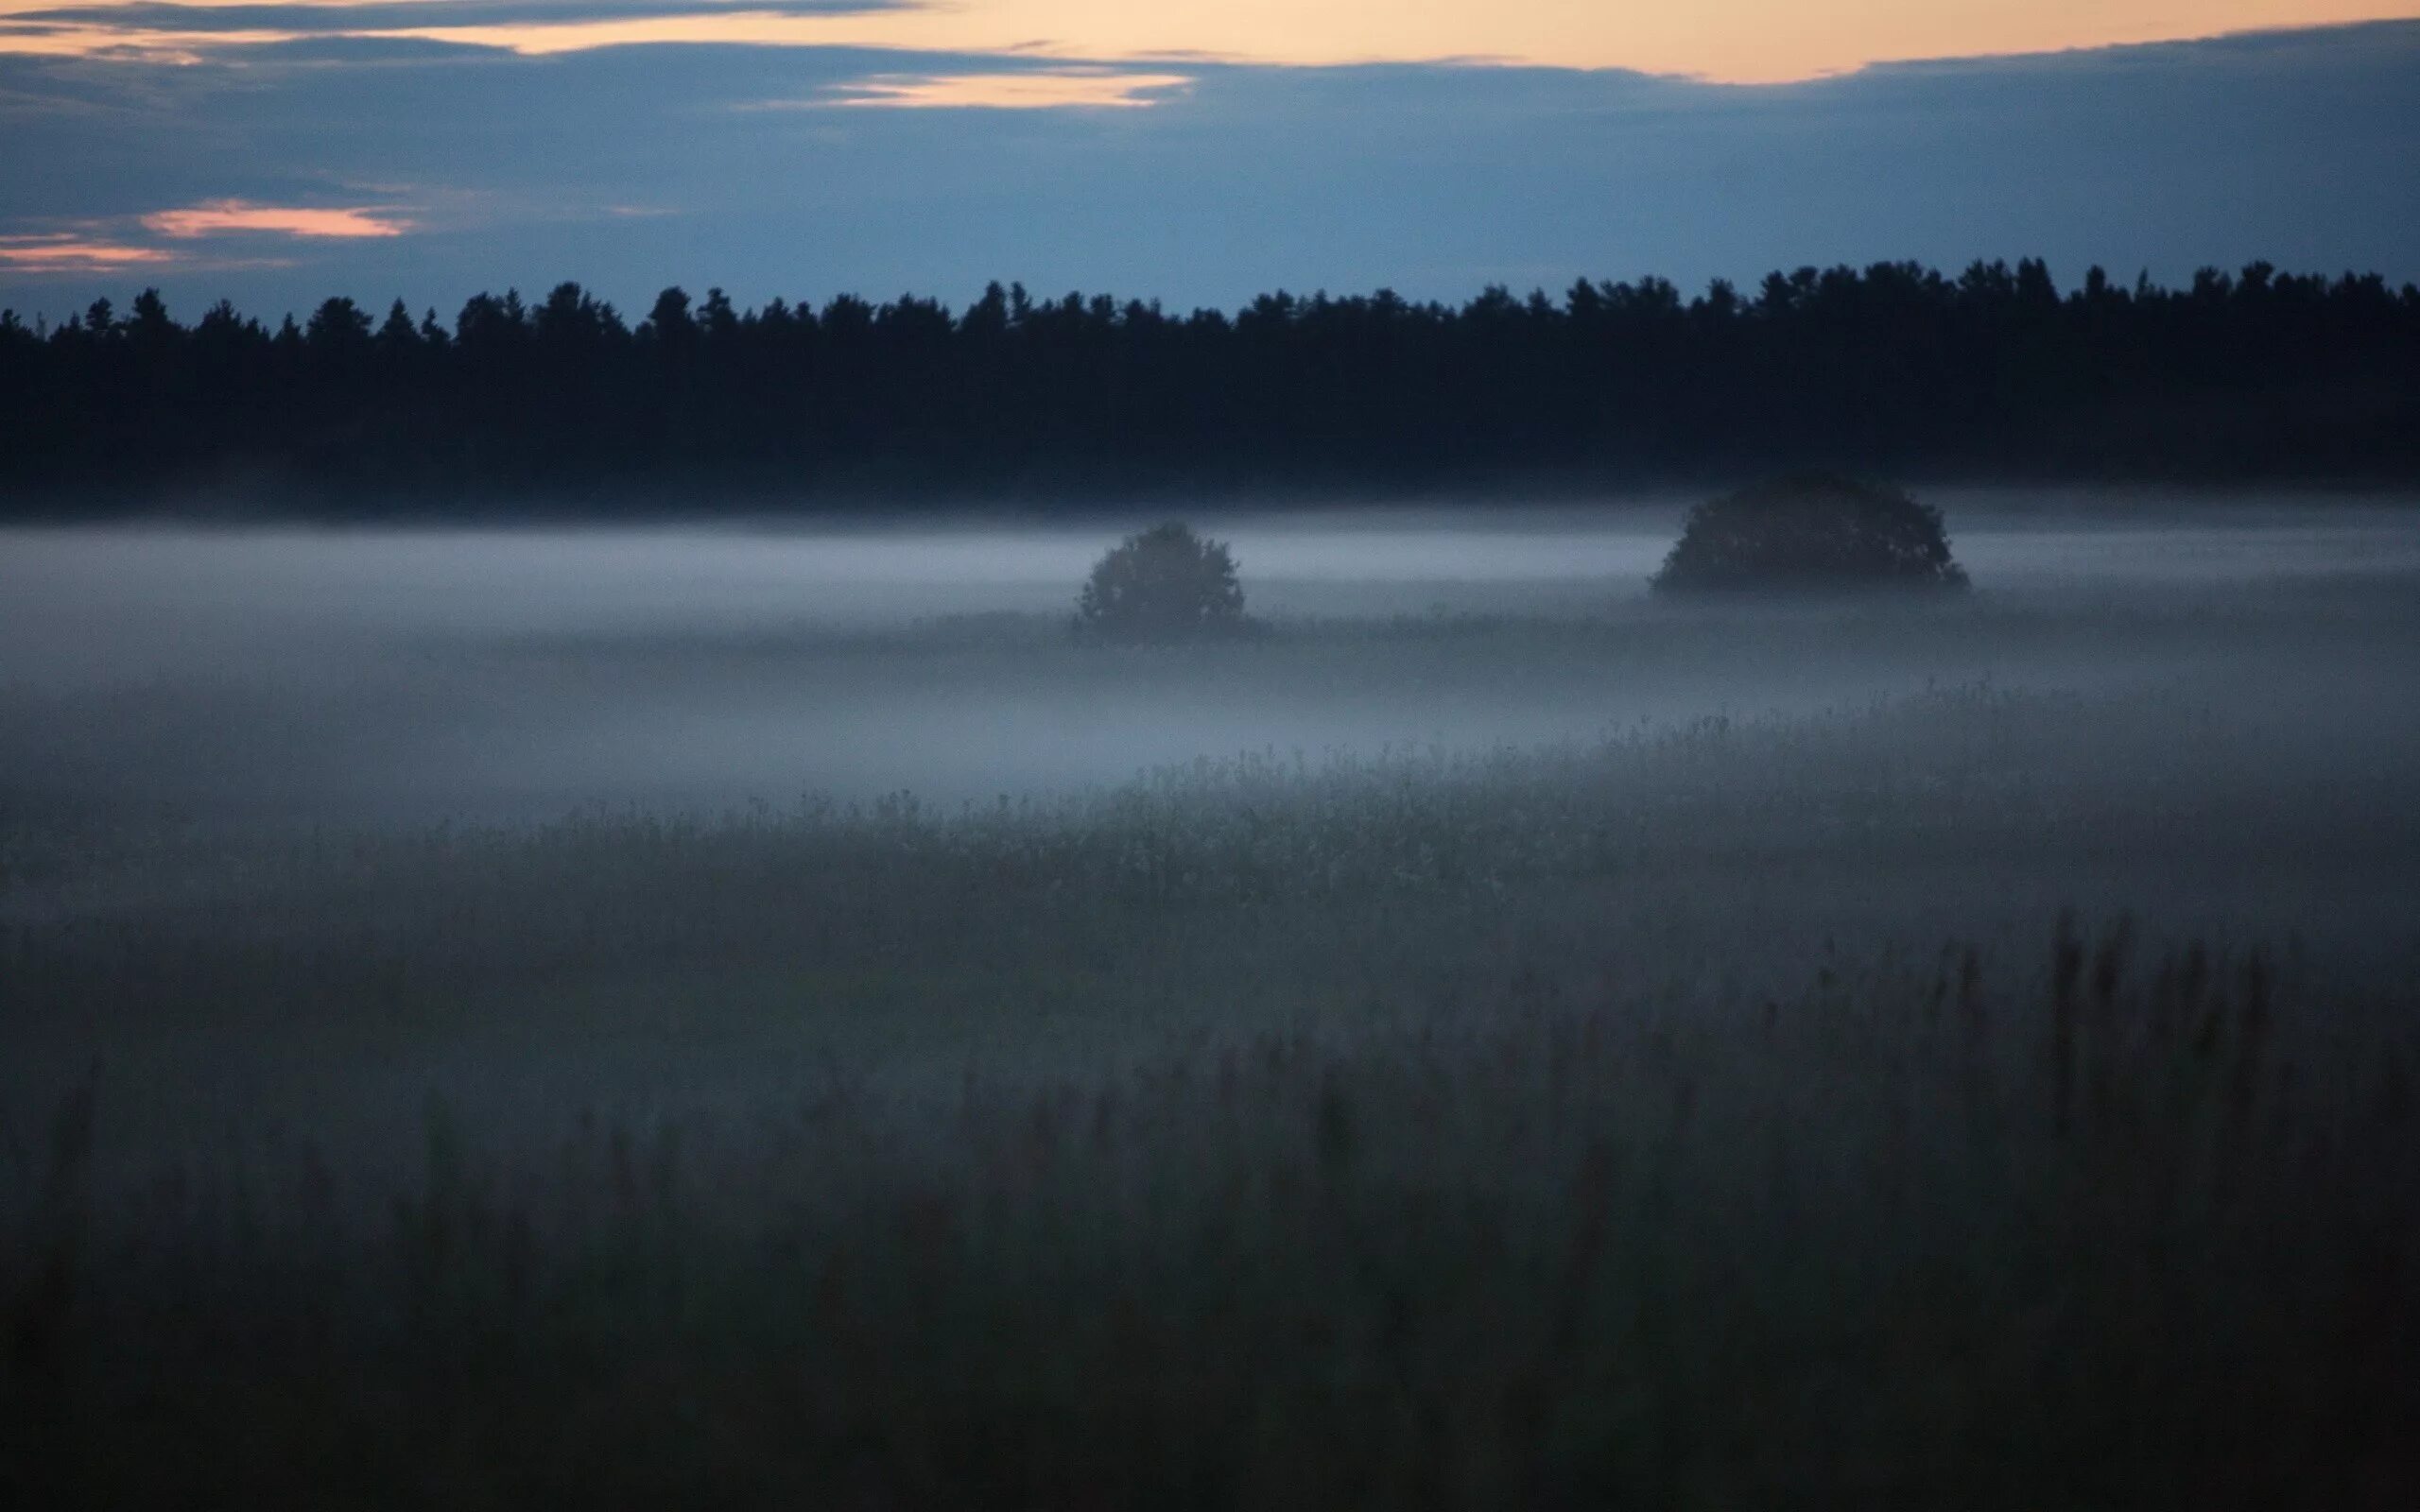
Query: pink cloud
1055, 89
214, 216
74, 254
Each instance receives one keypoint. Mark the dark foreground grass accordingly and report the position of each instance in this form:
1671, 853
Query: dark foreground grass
1421, 1132
2139, 1234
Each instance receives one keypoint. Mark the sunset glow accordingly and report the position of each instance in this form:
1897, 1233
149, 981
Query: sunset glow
148, 43
224, 215
1055, 89
73, 255
1735, 40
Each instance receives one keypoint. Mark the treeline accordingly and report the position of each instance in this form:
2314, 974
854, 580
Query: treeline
1896, 369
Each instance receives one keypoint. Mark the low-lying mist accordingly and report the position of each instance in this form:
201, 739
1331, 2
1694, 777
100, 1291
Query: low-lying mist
344, 676
773, 1019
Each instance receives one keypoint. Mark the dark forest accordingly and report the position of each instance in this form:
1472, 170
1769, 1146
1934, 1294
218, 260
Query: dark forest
1993, 374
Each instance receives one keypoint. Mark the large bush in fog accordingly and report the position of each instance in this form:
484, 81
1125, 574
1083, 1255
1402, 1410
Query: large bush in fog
1165, 584
1811, 530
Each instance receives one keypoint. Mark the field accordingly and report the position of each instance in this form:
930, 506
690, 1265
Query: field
1490, 1040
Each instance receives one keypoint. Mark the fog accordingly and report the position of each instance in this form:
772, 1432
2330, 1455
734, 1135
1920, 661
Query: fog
488, 978
376, 676
2194, 712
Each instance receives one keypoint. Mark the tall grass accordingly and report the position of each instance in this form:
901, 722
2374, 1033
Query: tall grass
1420, 1131
2127, 1234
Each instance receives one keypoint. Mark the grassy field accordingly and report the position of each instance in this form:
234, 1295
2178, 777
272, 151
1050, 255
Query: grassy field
1980, 1096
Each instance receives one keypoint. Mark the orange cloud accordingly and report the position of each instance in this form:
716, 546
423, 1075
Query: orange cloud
218, 216
1049, 90
73, 255
1728, 41
148, 45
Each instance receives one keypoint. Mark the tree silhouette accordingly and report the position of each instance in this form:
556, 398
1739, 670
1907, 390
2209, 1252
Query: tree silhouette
1896, 370
339, 328
1164, 584
1811, 530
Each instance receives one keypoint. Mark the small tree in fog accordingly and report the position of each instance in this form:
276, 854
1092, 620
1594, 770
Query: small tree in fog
1165, 584
1811, 530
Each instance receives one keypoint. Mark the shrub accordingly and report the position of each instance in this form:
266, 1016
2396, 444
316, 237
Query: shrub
1811, 530
1165, 584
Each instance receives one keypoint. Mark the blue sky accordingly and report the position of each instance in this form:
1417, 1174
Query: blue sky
278, 171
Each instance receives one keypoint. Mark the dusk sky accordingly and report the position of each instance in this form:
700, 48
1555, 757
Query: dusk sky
1197, 151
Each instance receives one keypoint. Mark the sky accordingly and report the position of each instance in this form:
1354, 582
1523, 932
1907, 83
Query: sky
1200, 151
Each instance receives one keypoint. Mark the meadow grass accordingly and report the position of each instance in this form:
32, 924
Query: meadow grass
1726, 1115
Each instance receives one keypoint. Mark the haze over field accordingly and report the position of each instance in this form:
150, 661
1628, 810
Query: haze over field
346, 675
534, 956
